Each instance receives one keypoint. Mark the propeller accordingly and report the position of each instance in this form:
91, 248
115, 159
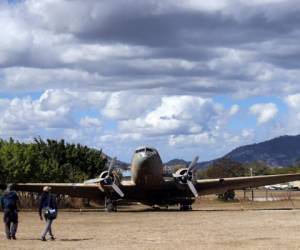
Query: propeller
111, 165
192, 188
106, 178
185, 176
117, 189
193, 164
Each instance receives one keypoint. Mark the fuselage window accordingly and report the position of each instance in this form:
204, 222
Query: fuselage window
140, 150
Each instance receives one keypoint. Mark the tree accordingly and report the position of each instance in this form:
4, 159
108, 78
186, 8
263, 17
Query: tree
258, 168
48, 161
223, 168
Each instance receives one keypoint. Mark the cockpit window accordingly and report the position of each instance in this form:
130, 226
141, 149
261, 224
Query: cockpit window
144, 150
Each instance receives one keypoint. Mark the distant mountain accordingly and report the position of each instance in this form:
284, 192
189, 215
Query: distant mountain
182, 162
280, 151
176, 162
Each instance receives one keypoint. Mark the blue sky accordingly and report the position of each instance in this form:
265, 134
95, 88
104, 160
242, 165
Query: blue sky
196, 79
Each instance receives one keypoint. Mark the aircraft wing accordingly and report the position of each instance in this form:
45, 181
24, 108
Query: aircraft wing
72, 189
221, 185
80, 190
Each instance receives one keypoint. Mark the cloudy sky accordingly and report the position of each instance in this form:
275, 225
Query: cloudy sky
187, 77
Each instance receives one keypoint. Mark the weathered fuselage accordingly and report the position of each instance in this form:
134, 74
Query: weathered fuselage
147, 173
147, 167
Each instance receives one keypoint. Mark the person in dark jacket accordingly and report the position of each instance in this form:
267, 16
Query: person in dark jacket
48, 211
9, 205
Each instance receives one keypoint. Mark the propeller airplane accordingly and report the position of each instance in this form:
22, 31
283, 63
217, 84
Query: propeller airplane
149, 186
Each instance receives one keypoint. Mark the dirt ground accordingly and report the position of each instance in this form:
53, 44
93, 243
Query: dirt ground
211, 225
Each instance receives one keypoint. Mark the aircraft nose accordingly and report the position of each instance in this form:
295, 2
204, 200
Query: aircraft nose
145, 157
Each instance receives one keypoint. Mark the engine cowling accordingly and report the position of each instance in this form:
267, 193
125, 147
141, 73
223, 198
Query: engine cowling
184, 176
107, 180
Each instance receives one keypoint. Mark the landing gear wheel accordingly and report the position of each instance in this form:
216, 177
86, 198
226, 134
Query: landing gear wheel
185, 207
110, 205
156, 208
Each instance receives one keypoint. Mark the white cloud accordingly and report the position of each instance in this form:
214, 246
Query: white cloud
129, 105
54, 109
291, 125
42, 79
264, 112
79, 45
192, 140
16, 37
139, 71
293, 101
234, 109
26, 115
176, 115
90, 122
55, 98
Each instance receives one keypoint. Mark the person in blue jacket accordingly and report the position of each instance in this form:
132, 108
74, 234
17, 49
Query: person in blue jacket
48, 211
9, 202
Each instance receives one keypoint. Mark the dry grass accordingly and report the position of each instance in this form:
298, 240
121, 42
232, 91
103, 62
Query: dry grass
207, 227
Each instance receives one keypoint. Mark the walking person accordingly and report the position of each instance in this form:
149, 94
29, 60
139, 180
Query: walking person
48, 211
9, 205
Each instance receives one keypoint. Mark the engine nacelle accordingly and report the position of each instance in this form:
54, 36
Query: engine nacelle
106, 178
110, 181
182, 177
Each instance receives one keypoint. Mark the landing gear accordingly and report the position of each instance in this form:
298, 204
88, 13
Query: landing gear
110, 205
185, 207
156, 208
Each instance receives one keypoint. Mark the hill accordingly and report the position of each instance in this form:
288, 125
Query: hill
281, 151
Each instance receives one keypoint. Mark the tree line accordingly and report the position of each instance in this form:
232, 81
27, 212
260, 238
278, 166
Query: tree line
48, 161
225, 167
58, 161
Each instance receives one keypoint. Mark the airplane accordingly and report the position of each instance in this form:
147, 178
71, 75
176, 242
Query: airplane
149, 186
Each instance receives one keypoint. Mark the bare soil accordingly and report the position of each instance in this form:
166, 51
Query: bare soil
211, 225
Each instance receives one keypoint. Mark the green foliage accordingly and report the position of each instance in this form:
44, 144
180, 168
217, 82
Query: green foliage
287, 170
259, 168
223, 168
228, 168
48, 161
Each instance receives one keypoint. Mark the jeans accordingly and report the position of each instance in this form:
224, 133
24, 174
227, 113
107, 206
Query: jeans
11, 223
48, 228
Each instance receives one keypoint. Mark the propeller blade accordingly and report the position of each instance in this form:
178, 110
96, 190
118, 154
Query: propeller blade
91, 181
111, 165
192, 188
117, 190
193, 164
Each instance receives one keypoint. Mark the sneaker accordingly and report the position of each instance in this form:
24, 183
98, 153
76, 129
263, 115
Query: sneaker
52, 238
8, 237
13, 237
43, 239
